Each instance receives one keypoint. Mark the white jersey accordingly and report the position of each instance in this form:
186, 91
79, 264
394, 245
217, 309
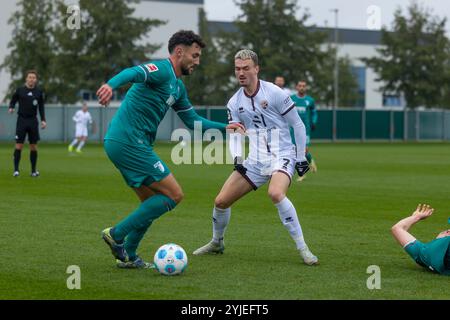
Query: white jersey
82, 118
262, 115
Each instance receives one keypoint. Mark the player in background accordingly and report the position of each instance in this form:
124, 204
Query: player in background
81, 118
156, 87
266, 112
30, 99
279, 81
433, 255
306, 108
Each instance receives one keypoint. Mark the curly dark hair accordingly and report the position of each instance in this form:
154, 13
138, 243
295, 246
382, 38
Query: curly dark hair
185, 37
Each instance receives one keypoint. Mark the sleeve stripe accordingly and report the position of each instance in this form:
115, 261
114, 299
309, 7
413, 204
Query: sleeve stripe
144, 73
411, 242
183, 110
289, 109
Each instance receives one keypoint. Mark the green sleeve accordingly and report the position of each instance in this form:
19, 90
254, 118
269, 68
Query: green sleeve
133, 74
314, 115
183, 102
189, 116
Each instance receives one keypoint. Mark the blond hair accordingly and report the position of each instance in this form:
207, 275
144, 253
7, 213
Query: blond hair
245, 54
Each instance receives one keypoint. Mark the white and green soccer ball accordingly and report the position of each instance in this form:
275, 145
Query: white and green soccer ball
170, 259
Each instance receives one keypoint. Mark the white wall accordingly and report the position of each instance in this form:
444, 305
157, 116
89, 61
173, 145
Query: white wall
7, 9
374, 98
178, 16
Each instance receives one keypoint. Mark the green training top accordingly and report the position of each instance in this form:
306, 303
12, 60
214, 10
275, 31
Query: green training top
432, 255
155, 89
306, 108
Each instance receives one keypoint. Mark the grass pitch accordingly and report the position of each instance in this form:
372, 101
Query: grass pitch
346, 211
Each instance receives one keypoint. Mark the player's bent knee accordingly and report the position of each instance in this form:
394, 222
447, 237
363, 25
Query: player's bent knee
221, 203
276, 196
177, 196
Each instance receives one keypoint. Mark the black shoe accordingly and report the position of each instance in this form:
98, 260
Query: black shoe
35, 174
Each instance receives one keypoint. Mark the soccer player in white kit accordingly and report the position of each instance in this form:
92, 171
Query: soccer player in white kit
267, 112
82, 118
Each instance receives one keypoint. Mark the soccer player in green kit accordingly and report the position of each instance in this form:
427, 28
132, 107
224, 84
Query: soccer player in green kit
433, 255
131, 134
306, 108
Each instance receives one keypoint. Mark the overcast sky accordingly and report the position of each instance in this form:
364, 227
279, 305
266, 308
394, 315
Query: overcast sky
354, 14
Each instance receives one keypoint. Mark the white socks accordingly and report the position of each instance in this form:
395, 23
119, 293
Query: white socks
289, 218
221, 217
74, 142
80, 145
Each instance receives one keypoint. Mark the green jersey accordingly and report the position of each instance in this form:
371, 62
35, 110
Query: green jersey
433, 255
306, 108
155, 89
132, 131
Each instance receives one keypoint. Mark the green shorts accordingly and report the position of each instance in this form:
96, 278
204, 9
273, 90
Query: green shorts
429, 255
138, 164
414, 249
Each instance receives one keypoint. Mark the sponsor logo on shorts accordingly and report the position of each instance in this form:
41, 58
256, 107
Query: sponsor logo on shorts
159, 166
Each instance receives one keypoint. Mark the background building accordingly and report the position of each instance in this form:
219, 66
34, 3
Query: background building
184, 14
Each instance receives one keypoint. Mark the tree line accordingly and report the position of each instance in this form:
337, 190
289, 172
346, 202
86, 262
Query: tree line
412, 61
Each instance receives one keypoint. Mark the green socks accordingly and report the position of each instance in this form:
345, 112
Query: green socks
132, 241
309, 157
141, 218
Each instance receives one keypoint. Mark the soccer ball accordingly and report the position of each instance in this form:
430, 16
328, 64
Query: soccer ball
170, 259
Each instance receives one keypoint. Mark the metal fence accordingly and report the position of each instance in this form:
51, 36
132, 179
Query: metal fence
342, 124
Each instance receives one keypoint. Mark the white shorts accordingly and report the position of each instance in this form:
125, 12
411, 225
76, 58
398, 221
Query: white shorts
259, 173
81, 131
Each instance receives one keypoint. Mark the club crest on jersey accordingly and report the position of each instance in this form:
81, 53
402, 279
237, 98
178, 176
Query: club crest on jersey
170, 101
151, 67
159, 166
264, 104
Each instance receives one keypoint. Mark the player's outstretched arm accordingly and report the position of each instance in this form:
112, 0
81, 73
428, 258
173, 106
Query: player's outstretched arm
189, 117
297, 125
133, 75
400, 229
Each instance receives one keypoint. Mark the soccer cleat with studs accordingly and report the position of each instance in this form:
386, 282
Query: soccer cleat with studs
117, 250
16, 173
35, 174
308, 257
137, 263
212, 247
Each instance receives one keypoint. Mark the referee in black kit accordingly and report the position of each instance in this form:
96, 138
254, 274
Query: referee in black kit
30, 99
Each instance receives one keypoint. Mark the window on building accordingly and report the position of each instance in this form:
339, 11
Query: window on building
391, 100
360, 74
